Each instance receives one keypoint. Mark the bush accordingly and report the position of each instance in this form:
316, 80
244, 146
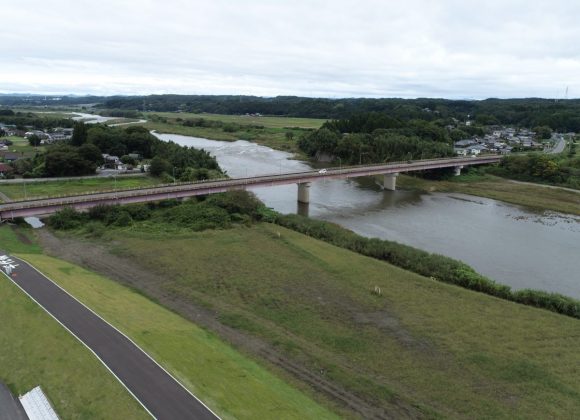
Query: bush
66, 219
241, 202
123, 219
95, 229
197, 216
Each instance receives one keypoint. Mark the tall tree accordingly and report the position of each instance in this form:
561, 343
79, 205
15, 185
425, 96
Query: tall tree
79, 136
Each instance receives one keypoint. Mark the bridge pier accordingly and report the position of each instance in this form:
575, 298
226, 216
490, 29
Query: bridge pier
304, 192
457, 170
388, 181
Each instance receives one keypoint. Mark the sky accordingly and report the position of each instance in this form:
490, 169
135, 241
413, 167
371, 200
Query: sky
318, 48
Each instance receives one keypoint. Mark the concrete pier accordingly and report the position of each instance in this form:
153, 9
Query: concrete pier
457, 170
304, 192
388, 181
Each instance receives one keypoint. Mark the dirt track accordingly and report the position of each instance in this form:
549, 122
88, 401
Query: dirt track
125, 271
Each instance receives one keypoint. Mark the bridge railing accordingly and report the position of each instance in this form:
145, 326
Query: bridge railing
222, 182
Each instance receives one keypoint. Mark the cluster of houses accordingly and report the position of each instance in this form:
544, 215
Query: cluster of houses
51, 136
46, 136
500, 140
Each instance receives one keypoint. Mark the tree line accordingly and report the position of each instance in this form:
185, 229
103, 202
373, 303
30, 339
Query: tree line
562, 115
376, 137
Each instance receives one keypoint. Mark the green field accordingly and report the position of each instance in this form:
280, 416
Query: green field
266, 121
78, 186
21, 145
36, 350
231, 384
536, 197
268, 131
420, 347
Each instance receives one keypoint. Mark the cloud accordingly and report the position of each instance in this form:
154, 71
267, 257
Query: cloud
454, 49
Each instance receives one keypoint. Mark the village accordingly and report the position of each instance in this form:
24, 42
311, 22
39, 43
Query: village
505, 140
15, 145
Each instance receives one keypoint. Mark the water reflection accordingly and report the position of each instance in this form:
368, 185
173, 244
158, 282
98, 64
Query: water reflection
509, 244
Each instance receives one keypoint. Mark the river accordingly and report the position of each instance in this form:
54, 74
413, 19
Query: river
507, 243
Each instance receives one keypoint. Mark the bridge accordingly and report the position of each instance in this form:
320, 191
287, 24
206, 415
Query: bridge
386, 174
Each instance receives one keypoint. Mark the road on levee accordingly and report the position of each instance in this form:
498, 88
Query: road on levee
161, 394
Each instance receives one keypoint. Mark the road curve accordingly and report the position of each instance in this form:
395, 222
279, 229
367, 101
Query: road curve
559, 147
157, 391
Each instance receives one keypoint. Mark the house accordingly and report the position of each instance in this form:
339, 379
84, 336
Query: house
460, 152
112, 162
40, 134
476, 149
59, 134
506, 150
464, 143
9, 156
5, 169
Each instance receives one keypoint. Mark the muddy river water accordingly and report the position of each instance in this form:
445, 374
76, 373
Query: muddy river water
507, 243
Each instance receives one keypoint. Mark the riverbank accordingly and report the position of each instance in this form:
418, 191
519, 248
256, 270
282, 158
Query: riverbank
533, 196
367, 334
280, 133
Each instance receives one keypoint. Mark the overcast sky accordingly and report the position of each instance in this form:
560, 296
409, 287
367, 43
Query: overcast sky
338, 48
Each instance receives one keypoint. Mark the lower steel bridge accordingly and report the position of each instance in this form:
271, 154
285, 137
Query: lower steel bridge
386, 173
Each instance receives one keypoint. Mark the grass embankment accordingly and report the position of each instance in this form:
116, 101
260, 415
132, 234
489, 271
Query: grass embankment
536, 197
76, 186
231, 384
437, 348
267, 131
36, 350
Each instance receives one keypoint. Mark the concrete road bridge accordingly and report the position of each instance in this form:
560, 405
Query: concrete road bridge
386, 174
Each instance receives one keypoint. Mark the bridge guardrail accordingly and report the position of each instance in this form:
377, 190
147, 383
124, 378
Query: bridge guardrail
223, 182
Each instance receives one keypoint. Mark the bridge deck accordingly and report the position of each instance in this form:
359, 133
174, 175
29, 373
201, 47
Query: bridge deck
180, 190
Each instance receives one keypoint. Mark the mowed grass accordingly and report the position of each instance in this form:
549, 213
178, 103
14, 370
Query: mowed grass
47, 188
535, 197
439, 349
229, 383
36, 350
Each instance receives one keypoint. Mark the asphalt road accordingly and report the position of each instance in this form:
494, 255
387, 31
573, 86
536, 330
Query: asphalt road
10, 407
155, 389
559, 148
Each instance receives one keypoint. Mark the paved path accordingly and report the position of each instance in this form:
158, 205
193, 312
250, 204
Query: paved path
10, 407
535, 184
151, 385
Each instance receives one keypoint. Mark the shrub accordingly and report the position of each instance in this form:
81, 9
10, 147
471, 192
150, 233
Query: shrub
65, 219
95, 229
197, 217
123, 219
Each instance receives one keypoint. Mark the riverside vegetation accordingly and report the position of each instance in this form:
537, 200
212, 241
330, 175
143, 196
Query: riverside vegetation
418, 347
223, 210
